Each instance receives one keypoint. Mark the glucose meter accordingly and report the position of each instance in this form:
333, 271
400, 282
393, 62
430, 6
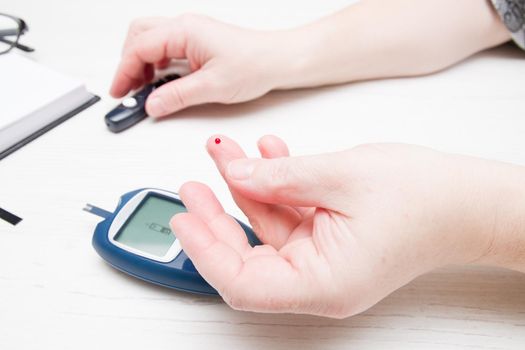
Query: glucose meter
137, 239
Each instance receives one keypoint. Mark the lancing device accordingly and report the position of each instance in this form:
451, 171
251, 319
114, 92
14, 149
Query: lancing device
133, 109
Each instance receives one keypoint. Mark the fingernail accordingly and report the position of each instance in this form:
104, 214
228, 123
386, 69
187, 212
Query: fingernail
155, 108
240, 169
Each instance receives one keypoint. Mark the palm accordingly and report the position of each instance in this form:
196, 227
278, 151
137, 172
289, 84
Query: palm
292, 265
298, 271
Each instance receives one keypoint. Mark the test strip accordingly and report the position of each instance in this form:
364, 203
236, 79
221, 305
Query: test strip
97, 211
9, 217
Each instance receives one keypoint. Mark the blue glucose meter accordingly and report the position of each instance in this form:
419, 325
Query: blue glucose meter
137, 239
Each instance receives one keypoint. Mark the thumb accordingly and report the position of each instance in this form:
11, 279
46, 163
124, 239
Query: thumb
313, 181
190, 90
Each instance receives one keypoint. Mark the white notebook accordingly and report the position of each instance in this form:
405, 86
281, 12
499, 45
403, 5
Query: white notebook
34, 99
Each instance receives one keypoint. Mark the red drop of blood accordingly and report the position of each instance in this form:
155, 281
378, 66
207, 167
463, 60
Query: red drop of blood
217, 140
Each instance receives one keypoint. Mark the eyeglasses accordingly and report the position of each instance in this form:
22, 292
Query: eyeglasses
11, 29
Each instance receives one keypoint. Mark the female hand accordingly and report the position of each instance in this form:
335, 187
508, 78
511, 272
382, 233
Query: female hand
343, 230
229, 64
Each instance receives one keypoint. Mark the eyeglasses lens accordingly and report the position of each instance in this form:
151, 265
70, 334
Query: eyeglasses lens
9, 32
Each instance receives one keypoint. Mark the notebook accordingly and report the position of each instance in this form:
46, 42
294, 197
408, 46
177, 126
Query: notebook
34, 99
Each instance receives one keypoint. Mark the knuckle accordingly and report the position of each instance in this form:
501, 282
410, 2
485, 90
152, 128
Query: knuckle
176, 97
135, 23
279, 176
283, 178
189, 18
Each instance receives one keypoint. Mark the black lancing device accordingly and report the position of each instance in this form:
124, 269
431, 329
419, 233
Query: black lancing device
133, 109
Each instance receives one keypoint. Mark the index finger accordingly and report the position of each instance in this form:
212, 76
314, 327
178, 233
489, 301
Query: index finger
271, 223
149, 47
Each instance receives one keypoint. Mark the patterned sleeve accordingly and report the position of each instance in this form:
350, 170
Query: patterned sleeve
512, 12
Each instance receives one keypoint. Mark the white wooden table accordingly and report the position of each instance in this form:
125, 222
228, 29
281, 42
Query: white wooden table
56, 293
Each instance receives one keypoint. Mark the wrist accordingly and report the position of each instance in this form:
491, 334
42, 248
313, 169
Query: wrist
340, 48
505, 206
475, 213
374, 39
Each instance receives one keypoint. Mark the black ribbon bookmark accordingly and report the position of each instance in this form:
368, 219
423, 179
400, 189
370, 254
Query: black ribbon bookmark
9, 217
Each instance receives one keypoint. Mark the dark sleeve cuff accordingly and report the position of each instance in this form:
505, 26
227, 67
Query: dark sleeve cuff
512, 13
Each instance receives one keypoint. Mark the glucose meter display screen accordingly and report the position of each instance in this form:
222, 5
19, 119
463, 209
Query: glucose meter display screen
148, 228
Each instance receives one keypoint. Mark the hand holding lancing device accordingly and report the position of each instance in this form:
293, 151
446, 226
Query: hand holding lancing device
220, 73
343, 230
230, 64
